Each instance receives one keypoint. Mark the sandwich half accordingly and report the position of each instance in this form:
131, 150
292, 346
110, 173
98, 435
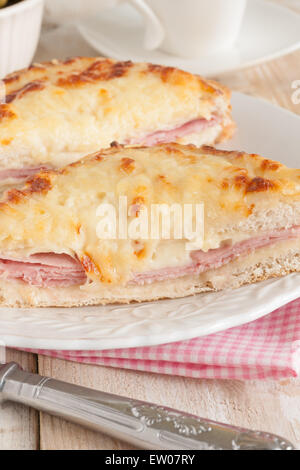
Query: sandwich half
58, 248
54, 113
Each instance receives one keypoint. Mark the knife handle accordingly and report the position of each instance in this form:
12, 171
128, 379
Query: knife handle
144, 425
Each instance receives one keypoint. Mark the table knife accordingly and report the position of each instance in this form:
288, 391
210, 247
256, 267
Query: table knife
143, 425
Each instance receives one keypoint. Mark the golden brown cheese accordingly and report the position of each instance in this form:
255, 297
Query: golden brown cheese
57, 210
59, 111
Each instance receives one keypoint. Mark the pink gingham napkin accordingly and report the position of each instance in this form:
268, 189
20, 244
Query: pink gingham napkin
268, 347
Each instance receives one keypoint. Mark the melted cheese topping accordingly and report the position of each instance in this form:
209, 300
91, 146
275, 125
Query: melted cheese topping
57, 211
59, 111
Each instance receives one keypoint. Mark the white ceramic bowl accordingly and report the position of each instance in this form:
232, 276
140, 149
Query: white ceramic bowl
20, 26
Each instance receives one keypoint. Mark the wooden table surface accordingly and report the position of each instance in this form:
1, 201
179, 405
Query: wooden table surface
268, 405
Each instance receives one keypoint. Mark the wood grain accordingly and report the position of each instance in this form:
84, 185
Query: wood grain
272, 406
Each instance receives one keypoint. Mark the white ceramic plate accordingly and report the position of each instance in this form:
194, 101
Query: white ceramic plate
268, 31
263, 128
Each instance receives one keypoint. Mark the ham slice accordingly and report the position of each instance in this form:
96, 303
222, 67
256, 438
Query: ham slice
213, 259
61, 270
191, 127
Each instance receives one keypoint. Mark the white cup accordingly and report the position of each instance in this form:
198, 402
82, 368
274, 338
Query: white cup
191, 28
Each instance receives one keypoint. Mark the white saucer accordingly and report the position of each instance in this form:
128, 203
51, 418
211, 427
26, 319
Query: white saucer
268, 31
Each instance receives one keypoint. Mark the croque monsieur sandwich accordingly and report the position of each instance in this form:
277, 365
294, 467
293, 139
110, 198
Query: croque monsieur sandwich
54, 113
51, 253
